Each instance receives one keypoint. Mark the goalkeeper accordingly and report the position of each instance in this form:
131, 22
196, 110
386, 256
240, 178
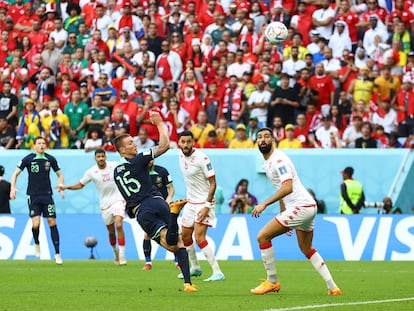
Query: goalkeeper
144, 202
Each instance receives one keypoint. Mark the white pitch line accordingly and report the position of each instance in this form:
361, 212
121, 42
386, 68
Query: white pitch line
327, 305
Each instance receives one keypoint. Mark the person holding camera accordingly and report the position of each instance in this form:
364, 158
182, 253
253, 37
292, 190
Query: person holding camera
242, 201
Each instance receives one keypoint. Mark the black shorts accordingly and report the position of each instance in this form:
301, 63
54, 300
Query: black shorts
41, 205
153, 215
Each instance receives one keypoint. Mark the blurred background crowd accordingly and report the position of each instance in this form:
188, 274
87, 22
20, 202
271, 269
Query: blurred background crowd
81, 72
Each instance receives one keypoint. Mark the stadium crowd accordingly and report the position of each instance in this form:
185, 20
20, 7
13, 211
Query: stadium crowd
80, 73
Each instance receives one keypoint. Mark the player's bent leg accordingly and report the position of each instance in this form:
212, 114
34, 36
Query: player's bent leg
305, 244
112, 241
187, 233
54, 234
146, 245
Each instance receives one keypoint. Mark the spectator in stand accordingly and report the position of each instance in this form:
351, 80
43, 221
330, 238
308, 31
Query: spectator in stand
337, 119
126, 37
380, 136
105, 91
340, 39
152, 84
201, 129
241, 140
313, 46
301, 49
376, 28
142, 140
362, 87
212, 103
8, 104
225, 133
107, 139
51, 55
130, 110
207, 17
176, 119
154, 40
323, 134
7, 135
325, 85
348, 73
306, 93
366, 140
143, 117
59, 36
323, 19
56, 127
302, 22
278, 129
98, 115
239, 67
191, 103
332, 66
234, 103
351, 19
252, 128
352, 196
242, 201
93, 139
119, 122
385, 116
404, 105
393, 142
76, 110
29, 126
290, 141
284, 101
404, 36
71, 24
101, 66
293, 65
386, 85
213, 141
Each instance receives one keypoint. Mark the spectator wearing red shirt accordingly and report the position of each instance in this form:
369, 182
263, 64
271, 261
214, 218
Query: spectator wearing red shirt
207, 16
404, 14
213, 141
143, 118
373, 9
64, 94
302, 22
348, 73
130, 109
16, 10
404, 106
25, 23
325, 85
37, 36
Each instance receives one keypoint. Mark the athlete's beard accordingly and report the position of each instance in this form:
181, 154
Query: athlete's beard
265, 149
187, 152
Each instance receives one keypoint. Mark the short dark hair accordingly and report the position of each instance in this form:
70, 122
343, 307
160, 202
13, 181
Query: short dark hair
99, 151
265, 129
118, 141
186, 133
38, 138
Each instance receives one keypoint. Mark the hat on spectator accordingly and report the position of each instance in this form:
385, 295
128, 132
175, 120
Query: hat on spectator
112, 26
410, 53
212, 133
86, 72
50, 8
340, 23
28, 101
350, 55
3, 5
195, 41
241, 126
363, 68
83, 84
315, 32
373, 17
407, 79
126, 28
348, 170
289, 126
127, 3
253, 118
278, 4
259, 77
386, 99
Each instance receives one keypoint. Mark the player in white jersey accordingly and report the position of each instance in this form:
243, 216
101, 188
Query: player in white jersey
297, 211
112, 203
198, 214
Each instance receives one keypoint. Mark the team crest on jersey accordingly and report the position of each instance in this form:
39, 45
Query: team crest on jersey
47, 165
282, 170
209, 166
34, 167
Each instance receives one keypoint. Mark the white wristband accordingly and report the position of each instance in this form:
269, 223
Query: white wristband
208, 204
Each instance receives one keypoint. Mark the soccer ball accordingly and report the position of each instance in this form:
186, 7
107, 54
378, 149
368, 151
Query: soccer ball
90, 241
276, 33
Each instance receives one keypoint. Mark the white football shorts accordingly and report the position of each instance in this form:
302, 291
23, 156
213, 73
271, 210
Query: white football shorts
302, 218
190, 215
116, 209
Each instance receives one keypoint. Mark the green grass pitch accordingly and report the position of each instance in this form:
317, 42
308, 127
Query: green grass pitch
100, 285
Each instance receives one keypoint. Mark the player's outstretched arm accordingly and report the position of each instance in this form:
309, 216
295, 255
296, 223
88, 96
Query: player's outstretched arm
164, 143
13, 180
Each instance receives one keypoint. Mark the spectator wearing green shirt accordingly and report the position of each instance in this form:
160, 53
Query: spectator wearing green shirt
77, 111
98, 115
